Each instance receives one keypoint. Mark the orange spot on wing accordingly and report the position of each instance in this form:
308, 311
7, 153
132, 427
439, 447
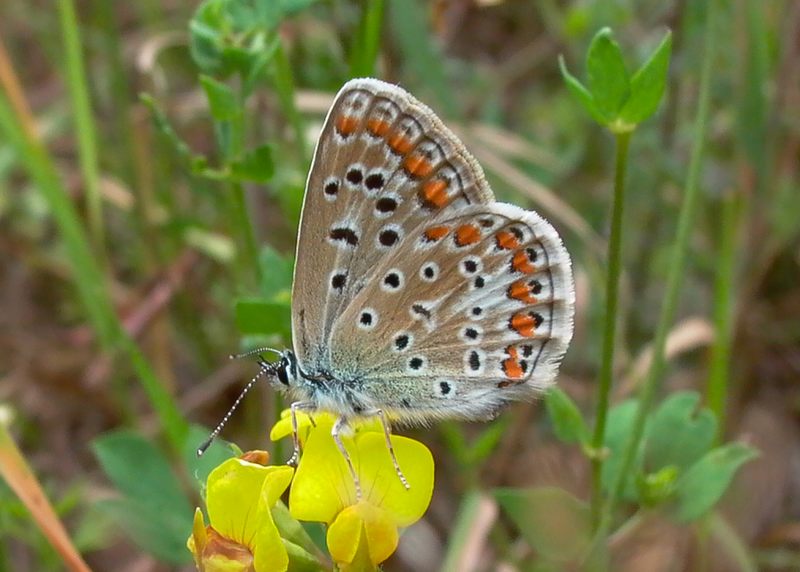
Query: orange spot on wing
417, 166
467, 234
506, 240
436, 233
523, 323
399, 143
521, 263
378, 127
521, 291
434, 193
346, 124
511, 365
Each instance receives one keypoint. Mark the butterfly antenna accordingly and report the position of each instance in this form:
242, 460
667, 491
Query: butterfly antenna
265, 369
255, 352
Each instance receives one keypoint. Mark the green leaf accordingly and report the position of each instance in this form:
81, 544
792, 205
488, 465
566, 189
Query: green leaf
276, 271
568, 422
678, 434
648, 84
300, 560
154, 510
222, 100
655, 488
255, 165
608, 80
581, 93
163, 125
486, 443
706, 481
291, 530
139, 470
259, 316
157, 532
618, 429
555, 523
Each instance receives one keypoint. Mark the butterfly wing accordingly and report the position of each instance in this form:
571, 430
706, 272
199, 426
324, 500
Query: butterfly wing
475, 311
384, 164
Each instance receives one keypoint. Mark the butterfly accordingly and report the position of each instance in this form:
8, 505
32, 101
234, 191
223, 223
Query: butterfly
416, 297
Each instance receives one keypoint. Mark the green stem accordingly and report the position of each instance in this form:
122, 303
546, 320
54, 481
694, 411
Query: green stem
89, 279
284, 85
365, 49
610, 326
674, 278
84, 125
719, 371
231, 136
468, 513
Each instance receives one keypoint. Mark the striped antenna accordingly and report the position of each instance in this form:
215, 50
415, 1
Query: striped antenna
266, 368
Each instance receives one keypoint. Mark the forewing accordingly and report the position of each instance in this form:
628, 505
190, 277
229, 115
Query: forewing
384, 164
476, 311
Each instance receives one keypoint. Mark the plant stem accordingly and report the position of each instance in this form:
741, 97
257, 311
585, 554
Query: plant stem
365, 49
719, 371
84, 125
284, 85
675, 275
89, 279
610, 326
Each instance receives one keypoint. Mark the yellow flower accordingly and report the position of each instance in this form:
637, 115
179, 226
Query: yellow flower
242, 536
323, 490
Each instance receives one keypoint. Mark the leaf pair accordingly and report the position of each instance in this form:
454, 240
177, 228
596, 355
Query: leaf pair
676, 466
613, 97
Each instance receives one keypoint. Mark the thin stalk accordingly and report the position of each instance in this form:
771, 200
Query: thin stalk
284, 85
719, 370
473, 504
89, 279
365, 49
610, 326
675, 276
84, 124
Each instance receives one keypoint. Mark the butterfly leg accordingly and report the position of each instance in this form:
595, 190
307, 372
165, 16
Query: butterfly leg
340, 424
293, 409
387, 432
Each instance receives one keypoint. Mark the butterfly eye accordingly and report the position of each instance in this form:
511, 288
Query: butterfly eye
283, 371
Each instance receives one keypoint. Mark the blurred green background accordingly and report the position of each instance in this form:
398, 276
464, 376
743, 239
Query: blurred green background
152, 163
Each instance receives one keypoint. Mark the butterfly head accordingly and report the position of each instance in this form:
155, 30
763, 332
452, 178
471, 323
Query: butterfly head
282, 373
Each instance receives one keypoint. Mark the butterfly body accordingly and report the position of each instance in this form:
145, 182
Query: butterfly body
415, 294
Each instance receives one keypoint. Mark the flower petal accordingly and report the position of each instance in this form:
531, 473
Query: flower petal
358, 524
283, 428
232, 490
196, 543
268, 549
323, 486
381, 484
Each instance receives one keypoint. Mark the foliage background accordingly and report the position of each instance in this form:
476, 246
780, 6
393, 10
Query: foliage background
128, 271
